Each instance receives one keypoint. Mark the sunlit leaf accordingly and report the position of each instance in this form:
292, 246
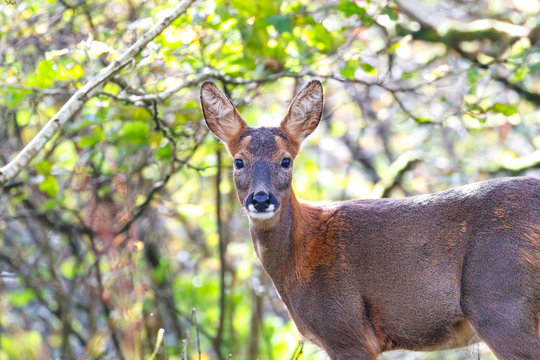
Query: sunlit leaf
504, 109
282, 23
349, 8
21, 298
164, 152
368, 69
135, 132
49, 185
350, 69
67, 268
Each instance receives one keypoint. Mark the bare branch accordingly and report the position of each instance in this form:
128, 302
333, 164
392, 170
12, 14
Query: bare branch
140, 99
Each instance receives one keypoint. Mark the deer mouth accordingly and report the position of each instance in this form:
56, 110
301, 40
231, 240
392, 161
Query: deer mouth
261, 215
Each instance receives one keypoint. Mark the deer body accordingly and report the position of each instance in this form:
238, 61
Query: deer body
365, 276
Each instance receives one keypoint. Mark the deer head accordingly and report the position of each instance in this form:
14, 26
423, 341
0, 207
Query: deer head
263, 157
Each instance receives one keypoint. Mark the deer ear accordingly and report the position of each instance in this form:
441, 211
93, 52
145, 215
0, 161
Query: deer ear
305, 112
220, 114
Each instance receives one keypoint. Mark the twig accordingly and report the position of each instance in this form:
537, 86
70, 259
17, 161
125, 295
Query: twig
103, 300
300, 352
158, 186
194, 312
185, 341
222, 245
90, 89
184, 350
397, 169
158, 343
50, 92
142, 99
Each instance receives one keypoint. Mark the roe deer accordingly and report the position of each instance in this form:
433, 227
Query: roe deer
360, 277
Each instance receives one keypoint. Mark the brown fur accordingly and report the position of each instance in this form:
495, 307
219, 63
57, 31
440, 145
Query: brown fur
361, 277
313, 243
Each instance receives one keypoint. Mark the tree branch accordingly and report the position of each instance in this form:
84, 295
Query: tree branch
140, 99
395, 173
452, 33
520, 165
90, 89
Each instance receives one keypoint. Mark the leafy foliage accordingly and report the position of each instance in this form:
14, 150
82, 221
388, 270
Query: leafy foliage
111, 233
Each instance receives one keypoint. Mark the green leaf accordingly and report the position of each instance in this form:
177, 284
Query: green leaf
408, 75
349, 8
50, 204
161, 271
424, 120
320, 38
49, 186
534, 67
390, 13
259, 8
368, 69
104, 190
472, 75
44, 75
67, 268
135, 132
255, 36
504, 109
475, 107
164, 152
44, 167
21, 298
282, 23
350, 68
75, 72
96, 137
24, 345
24, 116
520, 74
12, 97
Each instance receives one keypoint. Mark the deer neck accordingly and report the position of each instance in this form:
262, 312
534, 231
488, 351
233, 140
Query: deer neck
276, 242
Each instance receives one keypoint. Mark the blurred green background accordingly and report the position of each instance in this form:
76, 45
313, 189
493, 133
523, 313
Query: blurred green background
112, 232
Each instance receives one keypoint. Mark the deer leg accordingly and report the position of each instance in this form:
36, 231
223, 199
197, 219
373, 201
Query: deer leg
509, 341
500, 298
362, 345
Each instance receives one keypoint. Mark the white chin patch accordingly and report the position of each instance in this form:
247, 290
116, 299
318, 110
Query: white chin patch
267, 214
261, 215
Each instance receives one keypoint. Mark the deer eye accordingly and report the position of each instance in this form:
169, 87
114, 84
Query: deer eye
286, 163
238, 163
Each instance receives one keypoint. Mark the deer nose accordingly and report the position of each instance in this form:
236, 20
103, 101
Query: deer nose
260, 201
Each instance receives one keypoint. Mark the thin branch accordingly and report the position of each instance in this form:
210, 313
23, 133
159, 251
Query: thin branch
222, 247
142, 99
34, 89
158, 186
104, 301
90, 89
193, 321
395, 173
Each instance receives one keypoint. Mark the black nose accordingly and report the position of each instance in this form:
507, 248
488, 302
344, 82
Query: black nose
260, 201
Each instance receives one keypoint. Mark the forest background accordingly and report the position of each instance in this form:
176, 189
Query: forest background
126, 222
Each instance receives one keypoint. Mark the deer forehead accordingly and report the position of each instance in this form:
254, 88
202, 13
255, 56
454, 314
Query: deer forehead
264, 143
